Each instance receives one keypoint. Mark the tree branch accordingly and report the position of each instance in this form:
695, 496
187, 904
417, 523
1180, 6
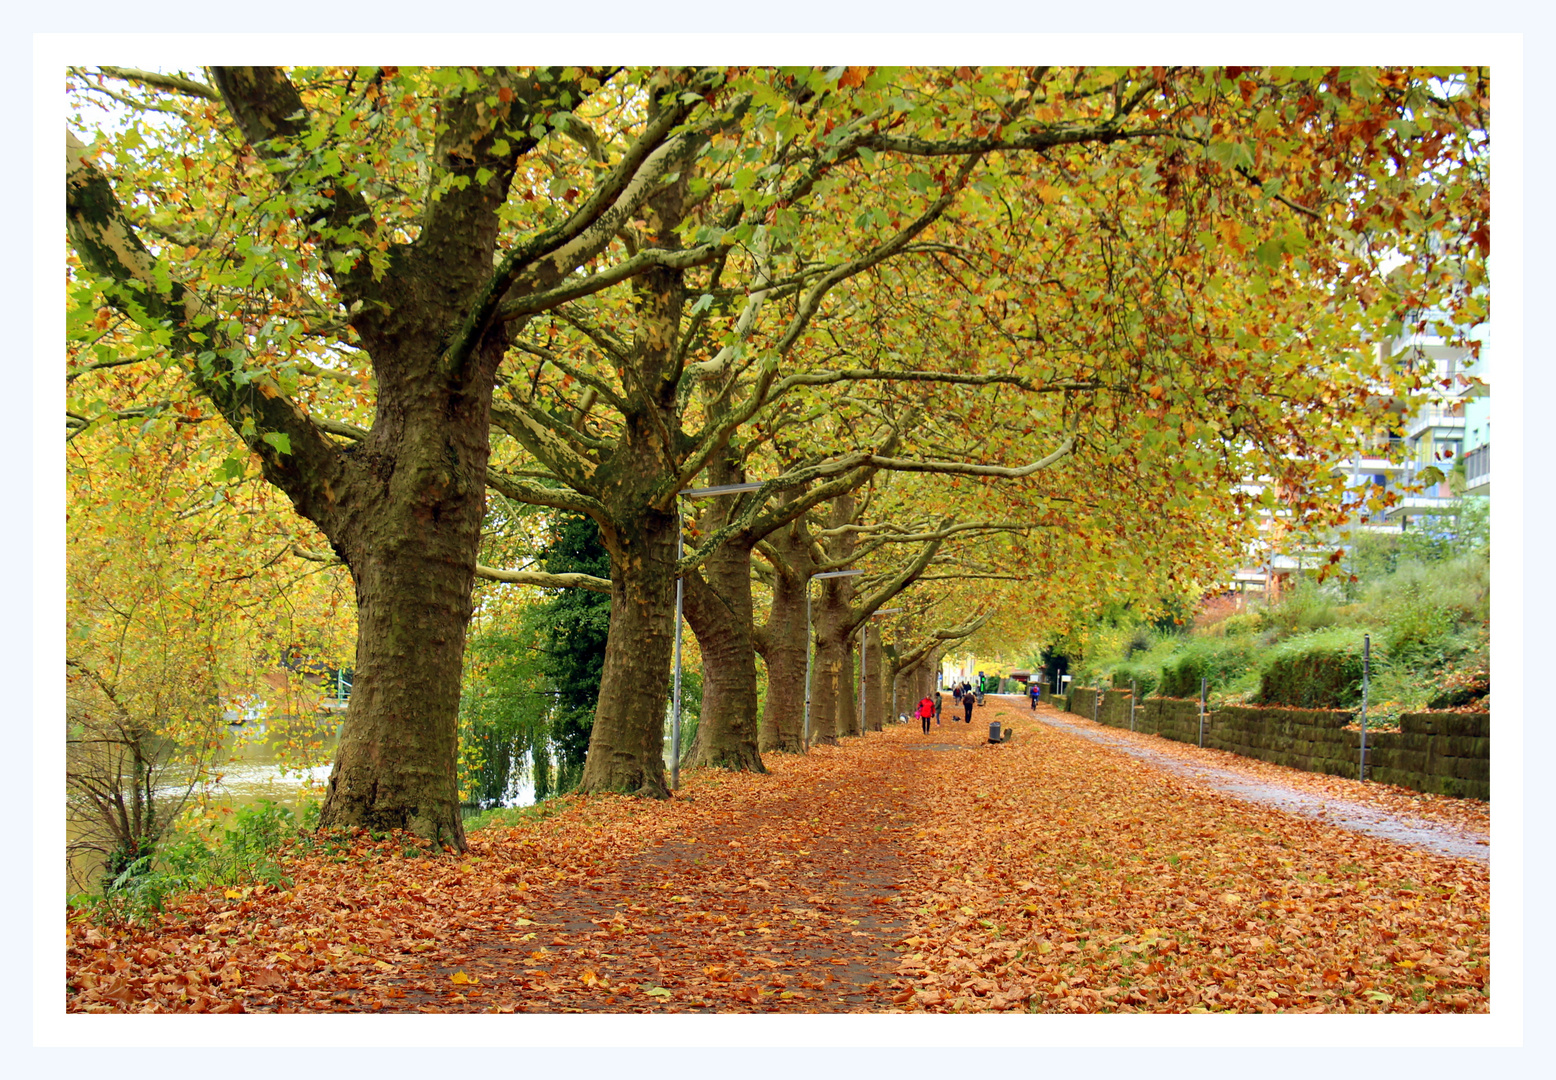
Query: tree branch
176, 83
587, 582
585, 233
535, 494
251, 402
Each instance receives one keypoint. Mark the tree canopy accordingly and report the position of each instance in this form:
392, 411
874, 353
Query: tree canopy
1120, 292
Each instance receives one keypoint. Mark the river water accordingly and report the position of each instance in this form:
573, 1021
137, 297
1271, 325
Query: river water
254, 764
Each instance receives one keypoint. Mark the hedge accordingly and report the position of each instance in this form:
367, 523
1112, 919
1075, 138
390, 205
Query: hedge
1320, 670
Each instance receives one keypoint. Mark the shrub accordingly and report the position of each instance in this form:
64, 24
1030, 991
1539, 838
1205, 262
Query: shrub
1145, 676
1321, 670
1243, 624
200, 855
1218, 661
1140, 640
1309, 607
1419, 634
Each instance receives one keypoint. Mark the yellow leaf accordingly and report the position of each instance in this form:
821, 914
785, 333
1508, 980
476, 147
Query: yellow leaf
459, 978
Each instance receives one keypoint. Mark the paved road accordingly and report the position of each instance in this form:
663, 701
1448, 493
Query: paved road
1436, 837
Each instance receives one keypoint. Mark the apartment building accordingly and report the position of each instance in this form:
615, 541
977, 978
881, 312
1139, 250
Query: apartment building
1432, 452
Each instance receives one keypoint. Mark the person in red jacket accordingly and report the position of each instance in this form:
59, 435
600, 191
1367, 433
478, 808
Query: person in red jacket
926, 712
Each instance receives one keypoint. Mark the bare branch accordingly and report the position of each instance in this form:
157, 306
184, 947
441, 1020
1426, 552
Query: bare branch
535, 494
964, 468
176, 83
576, 288
546, 581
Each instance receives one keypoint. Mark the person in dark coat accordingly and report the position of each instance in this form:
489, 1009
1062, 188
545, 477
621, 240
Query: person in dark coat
937, 708
967, 703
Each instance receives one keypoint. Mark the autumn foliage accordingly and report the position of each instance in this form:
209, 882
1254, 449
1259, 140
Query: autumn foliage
900, 872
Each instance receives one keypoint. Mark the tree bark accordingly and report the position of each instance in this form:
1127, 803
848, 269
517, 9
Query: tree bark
640, 524
626, 746
877, 690
785, 644
719, 612
849, 721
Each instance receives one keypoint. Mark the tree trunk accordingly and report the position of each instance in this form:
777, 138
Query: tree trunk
719, 612
626, 747
411, 548
877, 693
394, 768
823, 694
786, 642
848, 719
832, 708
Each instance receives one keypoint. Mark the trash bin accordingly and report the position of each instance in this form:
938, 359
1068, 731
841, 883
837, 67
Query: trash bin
994, 732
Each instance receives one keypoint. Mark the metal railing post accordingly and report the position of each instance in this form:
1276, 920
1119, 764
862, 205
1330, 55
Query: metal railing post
1131, 704
675, 726
809, 649
1202, 681
1361, 765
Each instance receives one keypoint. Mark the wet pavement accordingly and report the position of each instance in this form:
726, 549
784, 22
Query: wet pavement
1435, 837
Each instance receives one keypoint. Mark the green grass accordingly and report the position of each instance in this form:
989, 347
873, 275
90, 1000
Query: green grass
205, 852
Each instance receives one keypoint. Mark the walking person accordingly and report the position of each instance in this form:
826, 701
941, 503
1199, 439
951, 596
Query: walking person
967, 703
926, 709
956, 692
937, 708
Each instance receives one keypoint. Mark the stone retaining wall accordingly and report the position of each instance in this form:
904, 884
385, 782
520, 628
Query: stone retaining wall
1441, 753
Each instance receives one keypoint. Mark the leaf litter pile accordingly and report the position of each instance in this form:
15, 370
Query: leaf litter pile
901, 872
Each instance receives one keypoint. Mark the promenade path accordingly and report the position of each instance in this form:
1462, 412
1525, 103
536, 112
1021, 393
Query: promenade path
1073, 869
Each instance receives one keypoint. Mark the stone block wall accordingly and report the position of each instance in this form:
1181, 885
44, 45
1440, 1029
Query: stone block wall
1313, 740
1440, 753
1443, 753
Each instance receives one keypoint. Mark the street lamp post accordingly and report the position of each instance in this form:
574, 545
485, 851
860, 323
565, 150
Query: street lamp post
809, 647
680, 588
864, 641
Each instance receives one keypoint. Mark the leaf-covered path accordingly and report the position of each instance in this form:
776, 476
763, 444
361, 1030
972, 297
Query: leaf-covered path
1453, 827
902, 871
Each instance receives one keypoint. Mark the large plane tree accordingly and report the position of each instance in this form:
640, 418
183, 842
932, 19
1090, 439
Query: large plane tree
364, 272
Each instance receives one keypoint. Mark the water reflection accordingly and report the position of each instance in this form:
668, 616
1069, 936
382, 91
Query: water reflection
285, 760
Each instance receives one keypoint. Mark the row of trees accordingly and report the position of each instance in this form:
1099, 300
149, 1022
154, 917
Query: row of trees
1113, 292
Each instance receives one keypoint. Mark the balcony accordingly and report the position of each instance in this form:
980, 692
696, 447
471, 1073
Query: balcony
1363, 465
1420, 505
1477, 471
1449, 418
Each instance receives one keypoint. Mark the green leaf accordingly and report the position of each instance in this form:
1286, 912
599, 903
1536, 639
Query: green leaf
1269, 252
1232, 155
657, 991
279, 440
704, 302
